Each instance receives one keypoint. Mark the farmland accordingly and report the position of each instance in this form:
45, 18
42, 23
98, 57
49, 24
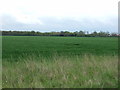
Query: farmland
18, 46
43, 61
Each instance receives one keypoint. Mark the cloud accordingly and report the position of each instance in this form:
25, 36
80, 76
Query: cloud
60, 8
11, 23
57, 15
57, 24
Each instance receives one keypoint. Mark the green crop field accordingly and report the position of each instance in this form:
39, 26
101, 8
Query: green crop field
48, 62
17, 46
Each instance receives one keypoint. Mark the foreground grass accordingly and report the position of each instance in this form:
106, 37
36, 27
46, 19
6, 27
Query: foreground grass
88, 71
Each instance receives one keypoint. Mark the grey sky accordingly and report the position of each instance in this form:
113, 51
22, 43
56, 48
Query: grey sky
59, 15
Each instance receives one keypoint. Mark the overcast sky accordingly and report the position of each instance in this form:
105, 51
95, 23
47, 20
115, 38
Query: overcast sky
59, 15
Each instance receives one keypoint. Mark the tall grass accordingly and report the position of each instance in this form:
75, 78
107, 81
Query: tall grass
87, 71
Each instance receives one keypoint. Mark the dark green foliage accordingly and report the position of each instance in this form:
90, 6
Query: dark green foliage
62, 33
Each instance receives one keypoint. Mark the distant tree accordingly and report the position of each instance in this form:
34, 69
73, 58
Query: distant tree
94, 34
32, 33
114, 34
62, 33
81, 33
103, 34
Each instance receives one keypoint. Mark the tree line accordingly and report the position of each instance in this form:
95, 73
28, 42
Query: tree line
61, 33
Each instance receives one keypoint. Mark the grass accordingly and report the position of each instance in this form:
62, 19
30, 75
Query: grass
88, 71
59, 62
17, 46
